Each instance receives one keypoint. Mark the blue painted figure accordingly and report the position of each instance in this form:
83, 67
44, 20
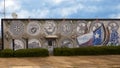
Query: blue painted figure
114, 37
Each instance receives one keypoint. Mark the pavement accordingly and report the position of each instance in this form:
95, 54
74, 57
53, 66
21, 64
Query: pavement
104, 61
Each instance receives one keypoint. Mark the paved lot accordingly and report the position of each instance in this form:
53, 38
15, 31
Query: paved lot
107, 61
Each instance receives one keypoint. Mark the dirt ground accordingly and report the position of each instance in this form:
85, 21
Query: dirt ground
106, 61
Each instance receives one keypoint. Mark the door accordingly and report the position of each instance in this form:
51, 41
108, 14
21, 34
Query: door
51, 44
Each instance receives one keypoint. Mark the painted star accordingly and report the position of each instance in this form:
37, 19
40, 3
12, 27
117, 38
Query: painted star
97, 35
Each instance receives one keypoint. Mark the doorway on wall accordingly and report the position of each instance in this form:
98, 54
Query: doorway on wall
51, 45
51, 41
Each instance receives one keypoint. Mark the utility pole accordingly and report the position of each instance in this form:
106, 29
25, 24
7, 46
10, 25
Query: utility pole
4, 10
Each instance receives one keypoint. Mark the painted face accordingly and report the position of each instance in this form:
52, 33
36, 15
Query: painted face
50, 27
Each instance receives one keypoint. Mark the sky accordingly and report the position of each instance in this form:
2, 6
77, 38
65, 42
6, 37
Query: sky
61, 8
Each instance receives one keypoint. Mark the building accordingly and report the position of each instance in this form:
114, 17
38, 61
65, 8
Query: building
42, 33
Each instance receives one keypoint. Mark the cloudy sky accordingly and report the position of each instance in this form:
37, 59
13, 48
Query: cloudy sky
61, 8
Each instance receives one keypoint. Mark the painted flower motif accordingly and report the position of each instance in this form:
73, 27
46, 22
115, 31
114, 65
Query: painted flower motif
17, 28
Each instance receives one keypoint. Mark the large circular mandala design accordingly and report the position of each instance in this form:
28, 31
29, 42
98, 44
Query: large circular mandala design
66, 28
17, 28
33, 28
66, 42
81, 28
18, 44
50, 27
113, 25
34, 43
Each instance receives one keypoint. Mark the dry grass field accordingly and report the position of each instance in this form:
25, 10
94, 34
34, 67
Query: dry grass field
105, 61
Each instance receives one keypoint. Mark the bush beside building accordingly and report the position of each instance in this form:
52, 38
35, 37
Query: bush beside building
103, 50
36, 52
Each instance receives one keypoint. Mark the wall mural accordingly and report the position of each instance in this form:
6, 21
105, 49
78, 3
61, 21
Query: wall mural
94, 37
70, 33
113, 28
50, 27
18, 44
66, 28
16, 28
81, 28
98, 35
33, 28
34, 43
66, 42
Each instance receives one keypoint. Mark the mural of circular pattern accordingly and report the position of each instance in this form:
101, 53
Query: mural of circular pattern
66, 42
18, 44
66, 28
17, 28
34, 43
113, 25
81, 28
50, 27
33, 28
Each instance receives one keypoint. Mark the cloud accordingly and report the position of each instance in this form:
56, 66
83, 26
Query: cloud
48, 8
65, 11
10, 5
115, 15
117, 7
33, 13
88, 1
23, 14
66, 8
57, 1
96, 0
53, 8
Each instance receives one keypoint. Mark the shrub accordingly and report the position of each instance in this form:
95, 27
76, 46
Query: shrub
36, 52
102, 50
7, 53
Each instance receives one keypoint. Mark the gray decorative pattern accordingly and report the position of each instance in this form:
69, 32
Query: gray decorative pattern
34, 43
66, 28
17, 28
50, 27
66, 42
18, 44
81, 28
33, 28
113, 25
95, 25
